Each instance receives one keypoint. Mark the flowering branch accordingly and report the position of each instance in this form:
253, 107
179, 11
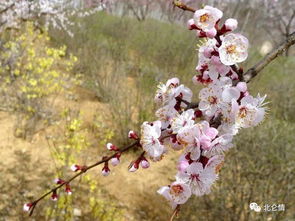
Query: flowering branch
84, 169
204, 130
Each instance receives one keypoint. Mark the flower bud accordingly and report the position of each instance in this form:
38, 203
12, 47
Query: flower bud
231, 24
112, 147
211, 33
27, 207
105, 170
76, 167
145, 163
54, 196
59, 181
132, 135
242, 86
115, 160
68, 189
191, 24
134, 166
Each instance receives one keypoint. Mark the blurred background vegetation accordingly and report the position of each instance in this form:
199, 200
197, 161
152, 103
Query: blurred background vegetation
107, 77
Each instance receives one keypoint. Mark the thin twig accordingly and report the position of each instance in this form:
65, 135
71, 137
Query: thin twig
192, 105
175, 212
179, 4
84, 170
252, 72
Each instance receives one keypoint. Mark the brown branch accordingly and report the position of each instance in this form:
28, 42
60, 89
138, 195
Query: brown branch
175, 212
192, 105
84, 170
189, 105
252, 72
179, 4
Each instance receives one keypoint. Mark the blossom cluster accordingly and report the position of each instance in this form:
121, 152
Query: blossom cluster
56, 13
225, 106
202, 131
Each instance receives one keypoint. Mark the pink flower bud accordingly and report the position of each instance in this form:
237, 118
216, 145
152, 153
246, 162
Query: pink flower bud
242, 86
115, 161
54, 196
191, 24
211, 33
59, 181
132, 135
145, 164
112, 147
75, 167
134, 166
68, 189
27, 207
231, 24
182, 165
105, 170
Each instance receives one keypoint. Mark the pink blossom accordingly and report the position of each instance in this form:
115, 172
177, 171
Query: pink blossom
150, 134
176, 193
210, 99
186, 119
205, 19
234, 49
250, 112
230, 93
219, 145
199, 178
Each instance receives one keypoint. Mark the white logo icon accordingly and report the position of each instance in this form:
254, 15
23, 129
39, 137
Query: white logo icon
254, 206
